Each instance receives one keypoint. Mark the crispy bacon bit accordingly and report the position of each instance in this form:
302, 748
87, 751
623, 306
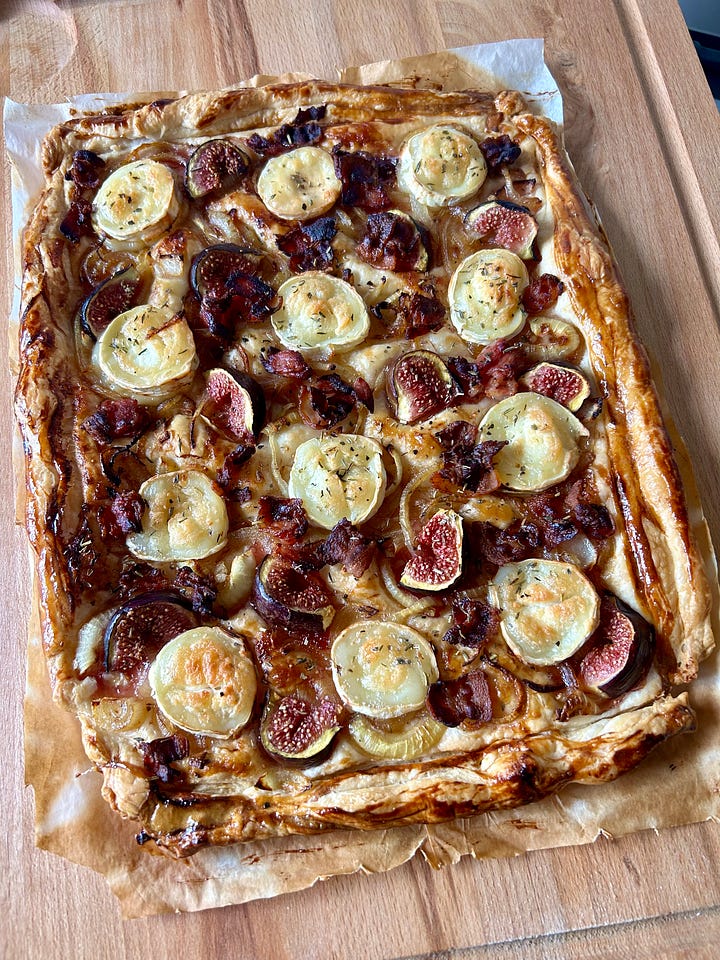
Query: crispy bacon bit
137, 578
127, 509
465, 463
468, 698
475, 622
326, 402
159, 754
361, 389
499, 152
494, 374
417, 315
303, 130
519, 541
594, 520
391, 242
240, 297
199, 590
345, 544
542, 292
124, 417
77, 222
230, 473
365, 179
286, 363
309, 246
85, 169
285, 517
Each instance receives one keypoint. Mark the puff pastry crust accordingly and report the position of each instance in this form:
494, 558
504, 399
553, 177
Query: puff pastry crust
223, 791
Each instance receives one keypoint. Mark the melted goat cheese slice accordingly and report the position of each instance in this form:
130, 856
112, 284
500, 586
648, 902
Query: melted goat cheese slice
441, 164
485, 293
186, 518
137, 203
147, 353
338, 477
320, 311
382, 669
299, 185
543, 441
204, 682
548, 609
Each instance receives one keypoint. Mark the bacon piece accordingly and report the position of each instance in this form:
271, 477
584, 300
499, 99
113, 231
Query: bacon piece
326, 402
84, 171
199, 590
417, 314
519, 541
286, 363
594, 520
284, 516
309, 245
159, 754
124, 417
127, 509
303, 130
390, 242
475, 622
499, 152
230, 473
467, 698
137, 578
77, 222
365, 179
494, 374
361, 389
465, 463
542, 292
345, 544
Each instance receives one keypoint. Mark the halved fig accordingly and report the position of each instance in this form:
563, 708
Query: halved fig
393, 241
565, 385
437, 562
212, 267
419, 385
234, 404
624, 644
551, 339
452, 702
297, 728
111, 298
141, 627
504, 224
214, 166
288, 597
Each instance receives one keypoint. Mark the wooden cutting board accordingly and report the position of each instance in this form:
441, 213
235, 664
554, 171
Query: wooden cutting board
645, 137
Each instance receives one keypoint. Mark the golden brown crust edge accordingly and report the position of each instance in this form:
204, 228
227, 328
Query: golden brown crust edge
637, 433
669, 570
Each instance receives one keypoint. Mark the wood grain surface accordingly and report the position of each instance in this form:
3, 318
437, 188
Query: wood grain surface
645, 136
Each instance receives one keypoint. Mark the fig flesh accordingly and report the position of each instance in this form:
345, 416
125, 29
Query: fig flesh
420, 385
108, 300
141, 627
212, 267
287, 597
214, 166
503, 224
565, 385
437, 562
296, 728
624, 644
234, 404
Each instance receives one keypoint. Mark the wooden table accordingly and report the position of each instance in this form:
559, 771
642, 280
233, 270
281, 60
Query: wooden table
645, 136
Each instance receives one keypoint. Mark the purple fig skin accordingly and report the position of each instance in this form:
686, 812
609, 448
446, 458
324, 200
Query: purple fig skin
618, 664
279, 613
146, 599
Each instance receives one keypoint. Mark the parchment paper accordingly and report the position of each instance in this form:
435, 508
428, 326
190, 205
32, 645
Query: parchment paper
679, 783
